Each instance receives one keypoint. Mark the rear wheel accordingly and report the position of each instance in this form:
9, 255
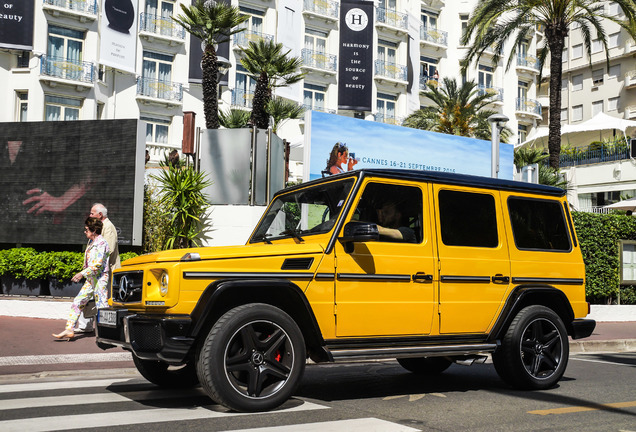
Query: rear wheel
425, 365
167, 376
252, 359
534, 351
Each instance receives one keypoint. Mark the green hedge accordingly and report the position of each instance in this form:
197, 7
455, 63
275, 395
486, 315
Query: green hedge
29, 264
599, 235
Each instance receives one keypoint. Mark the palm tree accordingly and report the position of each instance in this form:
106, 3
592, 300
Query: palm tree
235, 118
213, 23
456, 111
270, 66
493, 22
282, 110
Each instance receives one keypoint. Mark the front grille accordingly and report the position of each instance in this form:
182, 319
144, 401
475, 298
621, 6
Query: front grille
127, 287
145, 336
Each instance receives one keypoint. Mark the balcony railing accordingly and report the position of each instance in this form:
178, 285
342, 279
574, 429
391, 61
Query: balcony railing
241, 98
496, 93
435, 36
159, 89
318, 108
596, 209
319, 60
427, 82
390, 70
161, 26
83, 6
245, 37
322, 7
393, 18
73, 70
528, 106
529, 62
596, 153
388, 119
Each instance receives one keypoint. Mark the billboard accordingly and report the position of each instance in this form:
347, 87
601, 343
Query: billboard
16, 24
379, 145
52, 172
355, 70
118, 47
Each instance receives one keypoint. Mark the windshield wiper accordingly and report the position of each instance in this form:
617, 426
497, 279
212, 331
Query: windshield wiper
262, 237
292, 232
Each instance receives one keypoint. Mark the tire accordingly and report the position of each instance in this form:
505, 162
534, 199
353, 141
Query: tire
534, 351
166, 376
425, 365
252, 359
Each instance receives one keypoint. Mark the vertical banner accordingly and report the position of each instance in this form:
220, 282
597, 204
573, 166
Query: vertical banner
195, 74
355, 72
16, 24
413, 89
290, 13
118, 47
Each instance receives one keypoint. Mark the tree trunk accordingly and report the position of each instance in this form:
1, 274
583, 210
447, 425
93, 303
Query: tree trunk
210, 87
556, 38
259, 117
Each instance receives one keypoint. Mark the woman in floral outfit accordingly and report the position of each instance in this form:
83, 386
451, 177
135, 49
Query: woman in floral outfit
96, 273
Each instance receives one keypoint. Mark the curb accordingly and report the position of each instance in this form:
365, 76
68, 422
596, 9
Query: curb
598, 346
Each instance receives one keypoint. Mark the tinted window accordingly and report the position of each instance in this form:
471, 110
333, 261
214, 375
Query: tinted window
468, 219
538, 224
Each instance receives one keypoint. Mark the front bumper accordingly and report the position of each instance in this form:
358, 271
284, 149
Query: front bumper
582, 328
149, 337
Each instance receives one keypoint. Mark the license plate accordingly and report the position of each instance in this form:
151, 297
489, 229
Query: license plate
107, 317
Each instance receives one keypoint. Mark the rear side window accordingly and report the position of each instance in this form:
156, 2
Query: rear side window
468, 219
538, 224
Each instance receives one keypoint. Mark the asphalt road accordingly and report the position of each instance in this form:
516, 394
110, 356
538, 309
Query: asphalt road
596, 394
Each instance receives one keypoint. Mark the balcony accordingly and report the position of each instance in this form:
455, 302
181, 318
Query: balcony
243, 38
165, 92
83, 10
67, 71
437, 38
630, 112
528, 63
496, 93
324, 9
151, 26
159, 151
630, 79
428, 82
319, 61
390, 71
389, 119
392, 19
609, 151
241, 98
528, 108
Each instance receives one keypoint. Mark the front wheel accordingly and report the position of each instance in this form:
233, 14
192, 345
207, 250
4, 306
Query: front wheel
534, 351
252, 359
167, 376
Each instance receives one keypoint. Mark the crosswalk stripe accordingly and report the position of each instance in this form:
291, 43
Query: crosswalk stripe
65, 358
57, 385
123, 418
352, 425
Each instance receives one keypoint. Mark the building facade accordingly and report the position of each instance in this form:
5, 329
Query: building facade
67, 75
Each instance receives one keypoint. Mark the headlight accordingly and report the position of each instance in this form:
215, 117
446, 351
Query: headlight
163, 285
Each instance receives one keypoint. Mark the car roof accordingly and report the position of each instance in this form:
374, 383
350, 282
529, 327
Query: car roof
443, 178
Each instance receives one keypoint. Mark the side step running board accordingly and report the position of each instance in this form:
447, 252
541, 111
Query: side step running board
410, 351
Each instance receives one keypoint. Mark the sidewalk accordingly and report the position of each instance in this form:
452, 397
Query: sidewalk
615, 325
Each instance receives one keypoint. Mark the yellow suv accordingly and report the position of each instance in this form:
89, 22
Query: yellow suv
425, 267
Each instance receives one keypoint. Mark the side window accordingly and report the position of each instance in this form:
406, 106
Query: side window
397, 210
538, 224
468, 219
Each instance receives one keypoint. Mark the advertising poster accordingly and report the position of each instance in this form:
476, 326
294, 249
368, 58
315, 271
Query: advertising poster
118, 48
51, 173
16, 24
355, 69
378, 145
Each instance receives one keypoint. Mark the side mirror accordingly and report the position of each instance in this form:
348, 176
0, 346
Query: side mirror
359, 232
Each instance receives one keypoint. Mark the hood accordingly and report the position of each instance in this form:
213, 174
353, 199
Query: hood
225, 252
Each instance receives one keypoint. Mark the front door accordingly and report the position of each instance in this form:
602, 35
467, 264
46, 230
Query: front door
386, 288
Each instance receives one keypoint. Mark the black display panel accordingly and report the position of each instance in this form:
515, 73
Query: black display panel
16, 24
52, 172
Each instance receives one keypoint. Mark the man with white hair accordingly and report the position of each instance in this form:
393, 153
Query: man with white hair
109, 232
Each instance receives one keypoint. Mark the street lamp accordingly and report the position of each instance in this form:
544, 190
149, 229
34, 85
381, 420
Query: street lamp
497, 123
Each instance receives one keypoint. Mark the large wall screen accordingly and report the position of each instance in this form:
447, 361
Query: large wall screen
52, 172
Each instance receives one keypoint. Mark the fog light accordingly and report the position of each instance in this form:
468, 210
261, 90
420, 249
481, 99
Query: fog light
163, 285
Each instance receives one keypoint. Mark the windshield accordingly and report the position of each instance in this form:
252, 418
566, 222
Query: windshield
304, 212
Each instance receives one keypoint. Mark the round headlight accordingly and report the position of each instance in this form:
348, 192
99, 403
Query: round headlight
163, 285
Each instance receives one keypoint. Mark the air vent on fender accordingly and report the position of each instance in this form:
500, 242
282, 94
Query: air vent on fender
297, 264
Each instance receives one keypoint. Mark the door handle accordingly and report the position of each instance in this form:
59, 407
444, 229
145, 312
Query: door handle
500, 279
422, 277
